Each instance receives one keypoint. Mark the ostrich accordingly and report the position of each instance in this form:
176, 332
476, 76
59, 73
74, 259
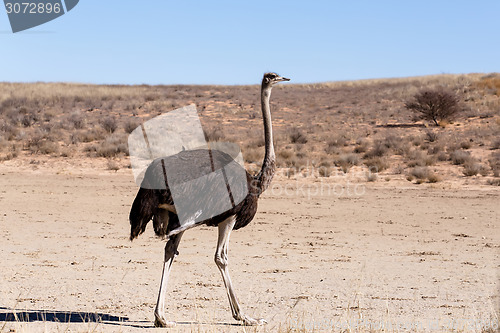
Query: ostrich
158, 205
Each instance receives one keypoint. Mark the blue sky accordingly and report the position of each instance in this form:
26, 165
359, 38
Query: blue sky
234, 42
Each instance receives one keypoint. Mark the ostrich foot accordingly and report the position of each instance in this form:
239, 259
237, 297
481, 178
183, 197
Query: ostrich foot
249, 321
161, 322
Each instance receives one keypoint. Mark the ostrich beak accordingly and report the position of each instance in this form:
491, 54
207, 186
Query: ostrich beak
284, 79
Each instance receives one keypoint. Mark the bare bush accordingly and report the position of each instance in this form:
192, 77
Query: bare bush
494, 182
496, 144
338, 140
433, 178
77, 120
29, 119
253, 155
214, 134
465, 144
472, 168
109, 124
434, 105
378, 149
324, 171
458, 157
418, 157
422, 174
371, 177
361, 145
113, 146
494, 162
7, 131
431, 136
297, 136
113, 165
93, 134
130, 125
346, 161
376, 164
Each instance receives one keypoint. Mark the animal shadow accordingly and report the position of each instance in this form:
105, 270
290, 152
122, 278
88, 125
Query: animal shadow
7, 314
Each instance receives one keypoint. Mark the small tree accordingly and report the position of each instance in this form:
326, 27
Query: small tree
434, 105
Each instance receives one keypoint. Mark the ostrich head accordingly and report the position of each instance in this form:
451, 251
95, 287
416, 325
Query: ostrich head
272, 78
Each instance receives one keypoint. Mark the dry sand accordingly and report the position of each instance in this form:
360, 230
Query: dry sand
385, 253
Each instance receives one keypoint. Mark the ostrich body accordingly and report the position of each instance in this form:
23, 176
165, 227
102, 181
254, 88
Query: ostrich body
158, 205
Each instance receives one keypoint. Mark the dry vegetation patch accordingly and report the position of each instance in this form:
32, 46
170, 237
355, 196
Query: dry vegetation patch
338, 124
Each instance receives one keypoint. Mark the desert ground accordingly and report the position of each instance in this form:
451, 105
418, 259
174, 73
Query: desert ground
323, 254
376, 221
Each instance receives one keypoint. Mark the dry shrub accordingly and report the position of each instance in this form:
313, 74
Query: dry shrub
346, 161
77, 120
494, 182
252, 155
434, 105
41, 143
378, 149
417, 157
472, 168
496, 144
422, 174
431, 136
391, 141
12, 152
285, 157
338, 140
465, 144
459, 157
376, 164
494, 162
442, 156
416, 140
433, 177
66, 152
371, 177
7, 131
324, 171
419, 172
113, 146
259, 142
151, 97
29, 119
490, 83
42, 146
75, 138
297, 136
109, 124
435, 149
214, 134
93, 134
130, 125
361, 145
113, 165
290, 172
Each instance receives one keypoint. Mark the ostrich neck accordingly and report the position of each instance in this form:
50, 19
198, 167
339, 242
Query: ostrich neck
269, 164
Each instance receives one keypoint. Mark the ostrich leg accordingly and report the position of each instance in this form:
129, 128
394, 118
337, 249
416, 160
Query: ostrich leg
170, 253
225, 228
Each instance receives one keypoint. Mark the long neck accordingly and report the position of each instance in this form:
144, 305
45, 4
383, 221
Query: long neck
269, 164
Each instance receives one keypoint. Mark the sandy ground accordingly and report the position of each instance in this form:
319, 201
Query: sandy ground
385, 255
